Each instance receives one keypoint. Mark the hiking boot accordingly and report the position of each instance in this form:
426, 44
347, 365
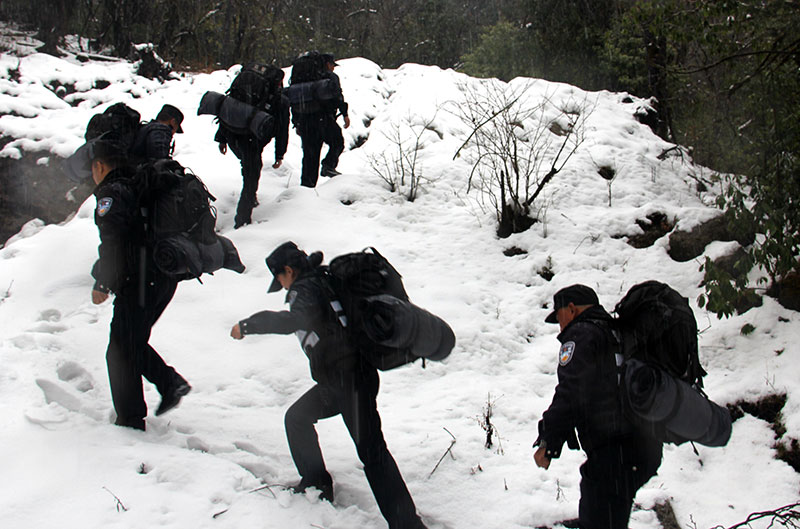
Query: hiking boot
173, 397
325, 489
329, 171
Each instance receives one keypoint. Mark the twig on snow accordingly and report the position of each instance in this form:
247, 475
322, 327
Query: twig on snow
448, 451
119, 505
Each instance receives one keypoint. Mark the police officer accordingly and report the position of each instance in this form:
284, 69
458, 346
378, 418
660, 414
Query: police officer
154, 140
619, 458
125, 268
316, 128
248, 149
345, 385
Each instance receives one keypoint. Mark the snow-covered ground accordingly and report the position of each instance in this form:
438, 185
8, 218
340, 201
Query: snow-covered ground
65, 465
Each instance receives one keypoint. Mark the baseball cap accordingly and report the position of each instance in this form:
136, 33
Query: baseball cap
171, 112
577, 294
287, 254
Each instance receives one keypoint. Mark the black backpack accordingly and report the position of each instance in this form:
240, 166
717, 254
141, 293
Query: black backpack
258, 85
660, 374
179, 222
307, 67
657, 326
119, 119
371, 303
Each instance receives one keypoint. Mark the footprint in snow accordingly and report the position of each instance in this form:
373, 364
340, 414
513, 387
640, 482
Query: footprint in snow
75, 374
55, 393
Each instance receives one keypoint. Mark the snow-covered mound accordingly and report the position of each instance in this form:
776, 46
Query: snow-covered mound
66, 465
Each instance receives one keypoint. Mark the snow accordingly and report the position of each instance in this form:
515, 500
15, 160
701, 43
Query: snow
205, 463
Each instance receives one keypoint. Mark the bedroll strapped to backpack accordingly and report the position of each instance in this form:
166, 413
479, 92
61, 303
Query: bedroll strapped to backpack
371, 303
180, 222
238, 117
661, 376
248, 105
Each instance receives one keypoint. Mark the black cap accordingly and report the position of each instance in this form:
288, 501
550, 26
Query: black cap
171, 112
287, 254
329, 59
576, 294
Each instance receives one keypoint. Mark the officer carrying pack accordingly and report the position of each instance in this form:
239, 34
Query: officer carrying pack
309, 84
180, 222
370, 301
661, 377
248, 105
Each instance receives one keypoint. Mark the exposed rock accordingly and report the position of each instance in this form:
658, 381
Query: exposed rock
787, 291
685, 246
30, 189
655, 226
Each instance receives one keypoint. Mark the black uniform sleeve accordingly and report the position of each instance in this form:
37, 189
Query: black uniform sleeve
304, 311
577, 371
115, 217
282, 129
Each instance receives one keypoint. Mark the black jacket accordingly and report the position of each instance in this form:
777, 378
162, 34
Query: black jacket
121, 229
153, 141
312, 319
586, 397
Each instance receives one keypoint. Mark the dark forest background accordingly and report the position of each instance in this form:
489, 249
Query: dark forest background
724, 75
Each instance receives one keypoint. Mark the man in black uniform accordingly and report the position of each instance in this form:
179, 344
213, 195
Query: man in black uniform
619, 459
345, 385
316, 128
125, 268
249, 149
154, 140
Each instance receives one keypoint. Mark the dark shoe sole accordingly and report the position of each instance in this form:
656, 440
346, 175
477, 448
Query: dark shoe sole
173, 398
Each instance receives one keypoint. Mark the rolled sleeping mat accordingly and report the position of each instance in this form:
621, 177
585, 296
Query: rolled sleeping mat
176, 256
238, 116
392, 322
663, 403
210, 103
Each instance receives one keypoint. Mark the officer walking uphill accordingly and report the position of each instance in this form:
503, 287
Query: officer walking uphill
316, 128
263, 93
620, 459
154, 140
345, 385
125, 268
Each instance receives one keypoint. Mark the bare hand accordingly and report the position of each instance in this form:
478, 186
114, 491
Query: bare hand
223, 148
236, 332
542, 461
99, 297
277, 164
346, 121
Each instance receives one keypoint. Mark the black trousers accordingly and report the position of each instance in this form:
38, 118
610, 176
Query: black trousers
249, 151
354, 400
315, 129
610, 478
129, 357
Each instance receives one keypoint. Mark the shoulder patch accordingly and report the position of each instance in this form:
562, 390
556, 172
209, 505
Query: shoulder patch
104, 205
566, 352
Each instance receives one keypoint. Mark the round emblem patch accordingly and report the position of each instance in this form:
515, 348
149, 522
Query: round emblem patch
565, 354
104, 205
